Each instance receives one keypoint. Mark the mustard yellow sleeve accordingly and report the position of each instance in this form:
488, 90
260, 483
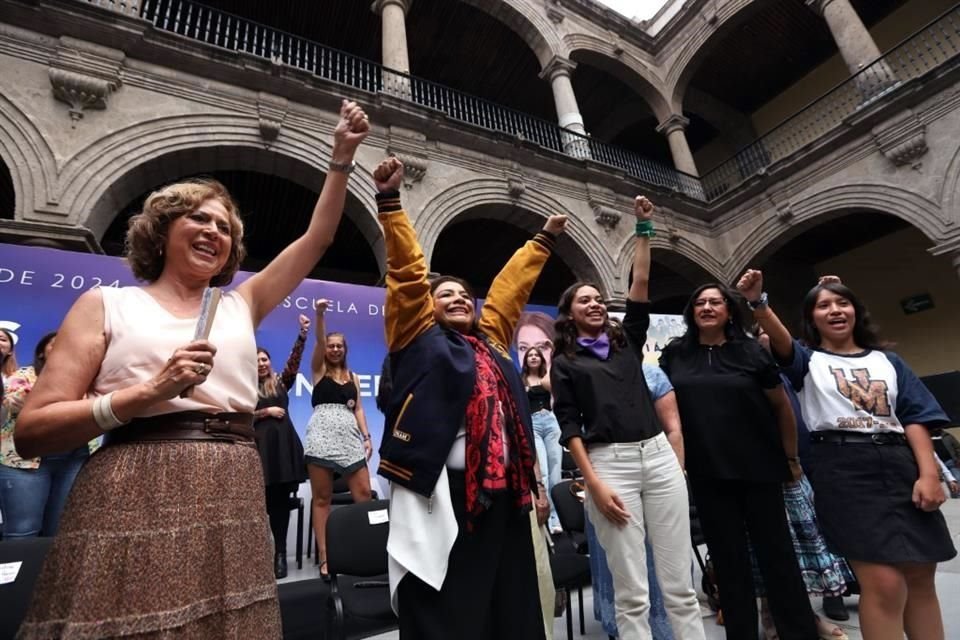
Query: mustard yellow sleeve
511, 289
409, 309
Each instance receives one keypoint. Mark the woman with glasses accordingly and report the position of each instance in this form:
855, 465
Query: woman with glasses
740, 441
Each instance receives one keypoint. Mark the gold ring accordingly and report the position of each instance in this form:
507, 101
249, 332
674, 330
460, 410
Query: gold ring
200, 369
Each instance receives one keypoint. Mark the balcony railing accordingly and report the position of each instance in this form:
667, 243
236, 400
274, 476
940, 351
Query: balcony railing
235, 33
922, 52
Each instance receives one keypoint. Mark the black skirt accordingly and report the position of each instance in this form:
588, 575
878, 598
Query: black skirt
864, 502
281, 450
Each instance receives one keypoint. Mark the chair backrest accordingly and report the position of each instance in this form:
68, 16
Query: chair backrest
568, 506
568, 465
357, 539
16, 595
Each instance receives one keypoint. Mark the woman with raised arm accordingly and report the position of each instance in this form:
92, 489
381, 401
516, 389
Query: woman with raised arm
876, 484
281, 451
337, 437
740, 437
546, 430
634, 481
165, 532
458, 442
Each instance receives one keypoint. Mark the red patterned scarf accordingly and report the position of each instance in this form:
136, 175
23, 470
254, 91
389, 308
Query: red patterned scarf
492, 418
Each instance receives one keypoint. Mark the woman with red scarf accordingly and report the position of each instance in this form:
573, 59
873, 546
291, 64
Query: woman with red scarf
458, 442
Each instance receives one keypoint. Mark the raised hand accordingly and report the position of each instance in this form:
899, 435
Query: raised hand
304, 323
321, 306
556, 224
829, 280
388, 175
642, 208
353, 127
187, 367
751, 284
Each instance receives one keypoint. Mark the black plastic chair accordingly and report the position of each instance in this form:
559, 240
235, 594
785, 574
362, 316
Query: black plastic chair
357, 563
341, 496
568, 467
296, 502
571, 569
569, 510
16, 595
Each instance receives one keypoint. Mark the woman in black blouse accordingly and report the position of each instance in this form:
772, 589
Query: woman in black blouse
740, 436
634, 482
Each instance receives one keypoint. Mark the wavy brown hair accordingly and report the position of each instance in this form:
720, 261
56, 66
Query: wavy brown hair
541, 370
565, 339
147, 231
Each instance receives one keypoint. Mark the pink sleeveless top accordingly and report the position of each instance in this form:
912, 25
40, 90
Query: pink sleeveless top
142, 335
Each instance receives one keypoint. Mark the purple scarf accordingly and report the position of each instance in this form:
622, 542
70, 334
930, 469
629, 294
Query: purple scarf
599, 347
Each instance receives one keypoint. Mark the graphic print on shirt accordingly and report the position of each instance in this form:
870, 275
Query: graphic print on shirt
866, 394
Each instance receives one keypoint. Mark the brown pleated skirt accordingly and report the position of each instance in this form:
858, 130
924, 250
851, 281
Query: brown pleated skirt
161, 540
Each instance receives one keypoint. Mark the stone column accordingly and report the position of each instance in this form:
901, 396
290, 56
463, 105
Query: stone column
568, 111
856, 45
673, 127
393, 18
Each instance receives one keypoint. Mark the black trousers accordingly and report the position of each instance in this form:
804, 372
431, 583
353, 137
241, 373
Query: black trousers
490, 591
732, 512
278, 512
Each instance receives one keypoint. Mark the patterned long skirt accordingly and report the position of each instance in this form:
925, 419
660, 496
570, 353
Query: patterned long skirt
824, 573
161, 540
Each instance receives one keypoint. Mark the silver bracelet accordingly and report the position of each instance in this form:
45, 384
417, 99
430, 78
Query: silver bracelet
103, 413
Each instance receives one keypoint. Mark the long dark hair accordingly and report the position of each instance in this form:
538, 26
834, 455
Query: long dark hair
865, 333
39, 352
8, 362
268, 387
735, 329
541, 370
565, 340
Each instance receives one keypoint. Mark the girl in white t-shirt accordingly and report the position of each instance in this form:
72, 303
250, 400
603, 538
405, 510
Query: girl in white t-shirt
875, 478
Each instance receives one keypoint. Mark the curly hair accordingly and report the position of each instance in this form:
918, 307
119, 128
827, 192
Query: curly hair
565, 340
147, 231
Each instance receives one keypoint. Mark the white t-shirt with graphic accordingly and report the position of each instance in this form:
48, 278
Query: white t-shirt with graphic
868, 392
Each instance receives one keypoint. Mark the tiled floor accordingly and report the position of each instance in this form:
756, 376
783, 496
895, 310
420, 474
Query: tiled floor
948, 587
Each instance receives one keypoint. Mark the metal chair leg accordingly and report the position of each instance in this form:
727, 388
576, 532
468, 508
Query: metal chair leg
300, 536
583, 629
569, 616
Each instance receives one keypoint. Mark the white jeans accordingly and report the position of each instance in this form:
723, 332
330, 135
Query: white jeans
647, 477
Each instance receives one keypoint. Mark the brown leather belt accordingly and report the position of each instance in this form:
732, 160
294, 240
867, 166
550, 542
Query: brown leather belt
186, 425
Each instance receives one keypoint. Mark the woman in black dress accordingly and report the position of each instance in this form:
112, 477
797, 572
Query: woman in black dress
281, 451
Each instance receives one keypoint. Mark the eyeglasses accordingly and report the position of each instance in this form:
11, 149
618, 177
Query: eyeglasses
713, 302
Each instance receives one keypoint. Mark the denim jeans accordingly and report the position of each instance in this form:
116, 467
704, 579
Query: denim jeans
647, 477
546, 433
31, 500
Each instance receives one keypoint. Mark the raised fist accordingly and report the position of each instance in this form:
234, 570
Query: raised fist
304, 323
751, 284
642, 208
321, 306
353, 127
556, 224
388, 175
829, 280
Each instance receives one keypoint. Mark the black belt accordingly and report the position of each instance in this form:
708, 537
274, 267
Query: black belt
186, 425
844, 437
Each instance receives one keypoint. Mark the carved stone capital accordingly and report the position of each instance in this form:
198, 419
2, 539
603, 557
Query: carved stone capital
674, 235
378, 5
674, 122
617, 44
557, 66
516, 187
903, 140
554, 12
606, 217
414, 168
271, 113
83, 75
784, 211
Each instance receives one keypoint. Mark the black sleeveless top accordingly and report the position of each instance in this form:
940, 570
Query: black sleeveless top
329, 391
539, 398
